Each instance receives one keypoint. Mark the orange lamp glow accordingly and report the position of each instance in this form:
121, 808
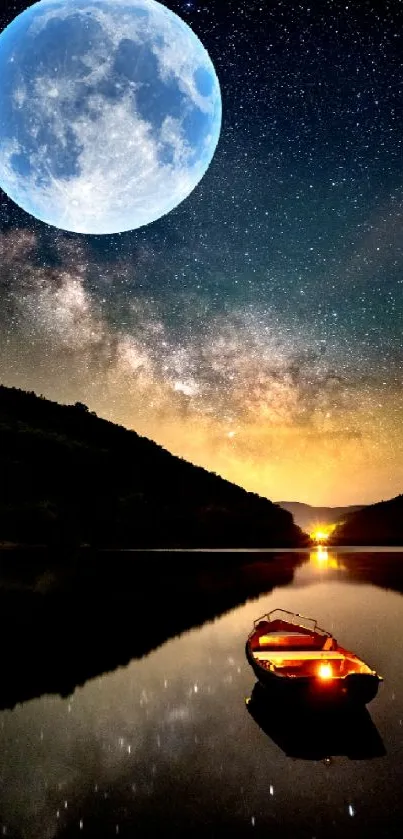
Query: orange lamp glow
320, 535
325, 672
321, 532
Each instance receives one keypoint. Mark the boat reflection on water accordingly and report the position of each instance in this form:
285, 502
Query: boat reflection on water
310, 733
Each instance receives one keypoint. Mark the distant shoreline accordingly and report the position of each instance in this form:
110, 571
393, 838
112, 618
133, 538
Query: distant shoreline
10, 546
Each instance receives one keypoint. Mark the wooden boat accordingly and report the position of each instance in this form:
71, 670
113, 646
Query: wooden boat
293, 656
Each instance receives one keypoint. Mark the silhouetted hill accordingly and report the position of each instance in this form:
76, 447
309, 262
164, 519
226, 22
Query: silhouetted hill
305, 516
69, 477
377, 524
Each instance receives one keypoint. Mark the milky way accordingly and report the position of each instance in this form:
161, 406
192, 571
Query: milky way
256, 330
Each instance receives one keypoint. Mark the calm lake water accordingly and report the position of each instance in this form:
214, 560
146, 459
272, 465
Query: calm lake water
166, 746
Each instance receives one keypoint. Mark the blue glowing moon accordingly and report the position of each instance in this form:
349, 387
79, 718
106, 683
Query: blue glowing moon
110, 113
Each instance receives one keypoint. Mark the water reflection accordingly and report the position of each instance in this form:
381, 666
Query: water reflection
381, 567
308, 733
104, 609
164, 746
325, 559
320, 554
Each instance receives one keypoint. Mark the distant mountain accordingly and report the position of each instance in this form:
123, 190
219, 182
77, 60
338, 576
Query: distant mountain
306, 516
69, 477
377, 524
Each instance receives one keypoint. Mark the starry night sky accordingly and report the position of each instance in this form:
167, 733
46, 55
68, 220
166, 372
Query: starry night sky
257, 329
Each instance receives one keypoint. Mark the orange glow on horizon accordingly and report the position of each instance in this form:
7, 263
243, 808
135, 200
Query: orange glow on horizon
321, 533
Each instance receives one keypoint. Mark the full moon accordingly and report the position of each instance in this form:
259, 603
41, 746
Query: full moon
110, 113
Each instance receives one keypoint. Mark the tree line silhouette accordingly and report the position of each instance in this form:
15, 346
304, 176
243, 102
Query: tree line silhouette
378, 524
70, 478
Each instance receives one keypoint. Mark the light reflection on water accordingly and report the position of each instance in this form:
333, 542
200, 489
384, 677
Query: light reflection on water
165, 745
324, 558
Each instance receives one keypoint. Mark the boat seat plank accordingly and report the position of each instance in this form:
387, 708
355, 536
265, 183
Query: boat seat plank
277, 638
280, 635
295, 655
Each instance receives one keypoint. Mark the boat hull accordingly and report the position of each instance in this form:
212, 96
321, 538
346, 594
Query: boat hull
355, 689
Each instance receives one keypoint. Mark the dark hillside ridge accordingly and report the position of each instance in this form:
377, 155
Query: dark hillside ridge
378, 524
69, 477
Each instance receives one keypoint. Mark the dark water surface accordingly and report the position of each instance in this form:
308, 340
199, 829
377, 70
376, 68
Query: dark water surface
166, 746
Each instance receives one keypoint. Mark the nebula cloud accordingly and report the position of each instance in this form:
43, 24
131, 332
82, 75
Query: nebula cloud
243, 393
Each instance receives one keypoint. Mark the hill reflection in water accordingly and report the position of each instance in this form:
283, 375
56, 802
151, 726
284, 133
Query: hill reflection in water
68, 623
379, 567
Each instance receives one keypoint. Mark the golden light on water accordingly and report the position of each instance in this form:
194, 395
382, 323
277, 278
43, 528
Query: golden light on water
324, 558
321, 554
325, 671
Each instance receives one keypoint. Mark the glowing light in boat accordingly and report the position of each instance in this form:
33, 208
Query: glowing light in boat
325, 671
